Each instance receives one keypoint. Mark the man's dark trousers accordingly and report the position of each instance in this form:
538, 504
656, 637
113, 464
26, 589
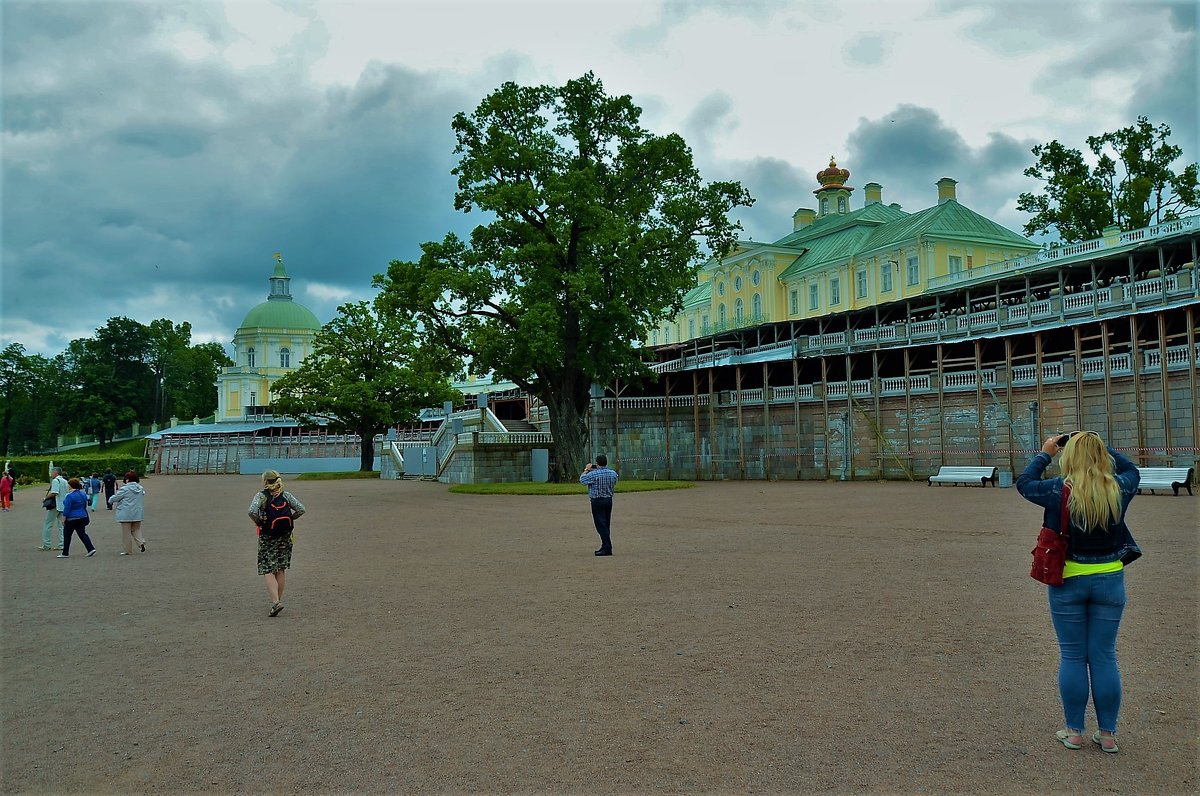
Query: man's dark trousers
601, 515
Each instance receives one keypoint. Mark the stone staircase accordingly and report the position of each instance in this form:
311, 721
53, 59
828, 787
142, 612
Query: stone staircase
519, 425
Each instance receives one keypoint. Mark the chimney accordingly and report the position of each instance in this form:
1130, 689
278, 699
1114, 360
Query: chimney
873, 192
802, 218
946, 191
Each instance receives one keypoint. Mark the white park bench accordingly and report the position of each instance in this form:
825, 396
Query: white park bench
1166, 478
964, 475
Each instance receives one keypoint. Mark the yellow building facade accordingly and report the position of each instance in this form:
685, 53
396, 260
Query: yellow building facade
272, 341
837, 259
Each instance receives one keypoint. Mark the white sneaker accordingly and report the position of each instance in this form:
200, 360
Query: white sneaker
122, 553
60, 555
91, 552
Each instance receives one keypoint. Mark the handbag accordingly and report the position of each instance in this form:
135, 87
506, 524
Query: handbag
50, 502
1050, 554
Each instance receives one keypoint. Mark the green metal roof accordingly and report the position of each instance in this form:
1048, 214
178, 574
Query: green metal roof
872, 215
946, 220
700, 295
278, 314
840, 245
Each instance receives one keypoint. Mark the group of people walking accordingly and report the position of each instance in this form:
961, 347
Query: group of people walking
67, 505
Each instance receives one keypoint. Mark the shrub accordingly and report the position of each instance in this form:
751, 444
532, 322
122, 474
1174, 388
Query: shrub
37, 468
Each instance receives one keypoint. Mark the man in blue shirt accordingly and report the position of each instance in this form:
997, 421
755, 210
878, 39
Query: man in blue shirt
600, 480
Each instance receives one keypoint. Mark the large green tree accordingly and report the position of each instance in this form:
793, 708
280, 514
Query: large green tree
1131, 184
17, 383
111, 382
596, 235
368, 370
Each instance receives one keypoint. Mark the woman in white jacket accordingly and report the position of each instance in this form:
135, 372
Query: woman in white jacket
130, 503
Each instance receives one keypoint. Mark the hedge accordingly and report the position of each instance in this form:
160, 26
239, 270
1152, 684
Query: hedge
38, 467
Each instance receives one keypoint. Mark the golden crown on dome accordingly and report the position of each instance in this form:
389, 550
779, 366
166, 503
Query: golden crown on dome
833, 177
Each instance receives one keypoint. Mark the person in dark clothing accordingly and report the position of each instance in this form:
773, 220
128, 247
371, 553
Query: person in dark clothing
75, 519
110, 486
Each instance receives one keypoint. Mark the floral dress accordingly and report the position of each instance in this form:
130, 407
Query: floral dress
274, 554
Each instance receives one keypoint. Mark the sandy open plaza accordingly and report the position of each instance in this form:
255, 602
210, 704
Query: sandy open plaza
837, 638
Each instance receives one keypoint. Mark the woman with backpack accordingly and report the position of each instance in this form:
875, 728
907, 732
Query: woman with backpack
274, 512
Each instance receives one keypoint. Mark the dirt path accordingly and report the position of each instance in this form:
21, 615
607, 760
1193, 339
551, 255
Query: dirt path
746, 637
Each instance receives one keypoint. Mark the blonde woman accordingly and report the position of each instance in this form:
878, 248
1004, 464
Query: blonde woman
1086, 609
273, 511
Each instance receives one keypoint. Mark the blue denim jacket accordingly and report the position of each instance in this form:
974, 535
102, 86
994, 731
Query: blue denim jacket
1048, 495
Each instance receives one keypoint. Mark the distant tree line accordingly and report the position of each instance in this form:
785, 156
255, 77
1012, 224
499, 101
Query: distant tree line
127, 372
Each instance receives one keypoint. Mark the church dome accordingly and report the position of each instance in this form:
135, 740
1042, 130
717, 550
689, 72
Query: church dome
281, 315
279, 311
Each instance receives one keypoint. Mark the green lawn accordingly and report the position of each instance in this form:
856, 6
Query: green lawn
531, 488
129, 447
336, 476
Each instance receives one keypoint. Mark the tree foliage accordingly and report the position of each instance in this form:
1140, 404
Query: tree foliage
1132, 184
368, 370
597, 234
127, 372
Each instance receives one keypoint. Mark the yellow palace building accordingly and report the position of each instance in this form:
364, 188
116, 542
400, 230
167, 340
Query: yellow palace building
272, 341
837, 259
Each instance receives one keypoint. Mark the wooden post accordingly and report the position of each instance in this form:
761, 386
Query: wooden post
849, 417
667, 422
1191, 338
796, 408
768, 444
712, 426
979, 398
617, 424
1037, 342
1106, 352
941, 392
696, 422
825, 409
875, 387
1162, 369
1078, 380
908, 421
1135, 356
737, 375
1008, 399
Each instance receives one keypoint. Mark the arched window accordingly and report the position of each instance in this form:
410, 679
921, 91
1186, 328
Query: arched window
667, 333
841, 204
654, 337
825, 206
721, 315
757, 307
250, 356
738, 310
720, 288
691, 328
737, 284
285, 358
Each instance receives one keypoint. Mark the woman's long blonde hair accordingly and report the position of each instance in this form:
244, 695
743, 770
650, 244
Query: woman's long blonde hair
1095, 495
272, 481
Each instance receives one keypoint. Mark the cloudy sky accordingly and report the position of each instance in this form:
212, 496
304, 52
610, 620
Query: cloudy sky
156, 155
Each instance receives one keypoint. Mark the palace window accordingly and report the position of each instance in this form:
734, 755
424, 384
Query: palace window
825, 206
835, 291
885, 278
754, 278
285, 358
703, 324
654, 337
913, 271
721, 315
720, 288
860, 282
756, 307
814, 296
667, 333
794, 302
955, 263
250, 356
254, 399
691, 328
841, 204
739, 311
737, 284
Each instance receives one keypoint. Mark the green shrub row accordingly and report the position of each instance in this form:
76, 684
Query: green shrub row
38, 467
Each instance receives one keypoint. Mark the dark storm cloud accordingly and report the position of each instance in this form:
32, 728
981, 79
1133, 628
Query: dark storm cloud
778, 188
868, 50
164, 186
712, 117
909, 149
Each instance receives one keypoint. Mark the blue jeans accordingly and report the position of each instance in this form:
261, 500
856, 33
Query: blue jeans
601, 516
1086, 611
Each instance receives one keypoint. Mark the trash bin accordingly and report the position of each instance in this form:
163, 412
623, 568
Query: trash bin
1005, 479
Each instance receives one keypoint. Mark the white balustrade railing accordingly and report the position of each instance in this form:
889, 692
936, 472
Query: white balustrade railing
1075, 302
928, 327
861, 387
985, 318
1120, 363
875, 334
969, 378
1153, 286
826, 340
770, 347
508, 438
1034, 309
654, 402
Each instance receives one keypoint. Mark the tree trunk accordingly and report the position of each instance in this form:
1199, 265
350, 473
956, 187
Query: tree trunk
366, 460
568, 424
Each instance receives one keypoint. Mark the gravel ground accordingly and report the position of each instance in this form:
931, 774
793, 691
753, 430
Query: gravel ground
746, 637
